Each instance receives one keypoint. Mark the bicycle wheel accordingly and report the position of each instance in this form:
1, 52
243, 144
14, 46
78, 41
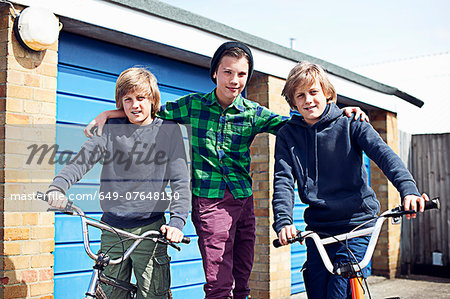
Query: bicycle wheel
99, 293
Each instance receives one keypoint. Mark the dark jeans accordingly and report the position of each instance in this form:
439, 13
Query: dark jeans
319, 282
226, 230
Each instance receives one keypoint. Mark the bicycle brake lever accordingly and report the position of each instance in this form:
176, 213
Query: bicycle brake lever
175, 246
299, 237
396, 220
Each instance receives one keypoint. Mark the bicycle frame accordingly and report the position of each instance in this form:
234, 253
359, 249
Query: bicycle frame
320, 244
355, 279
95, 277
154, 235
86, 221
353, 268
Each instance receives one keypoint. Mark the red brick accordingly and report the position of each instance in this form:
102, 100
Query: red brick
3, 94
45, 274
28, 276
16, 291
261, 212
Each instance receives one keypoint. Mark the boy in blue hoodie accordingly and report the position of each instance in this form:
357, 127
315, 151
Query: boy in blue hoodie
321, 150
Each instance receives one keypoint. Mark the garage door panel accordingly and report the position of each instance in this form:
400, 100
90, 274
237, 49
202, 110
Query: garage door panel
113, 59
69, 229
65, 253
86, 83
70, 137
79, 110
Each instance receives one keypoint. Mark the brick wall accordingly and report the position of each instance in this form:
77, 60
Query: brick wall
271, 275
28, 98
385, 261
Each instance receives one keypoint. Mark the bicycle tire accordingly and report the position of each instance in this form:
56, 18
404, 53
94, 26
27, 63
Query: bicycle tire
99, 293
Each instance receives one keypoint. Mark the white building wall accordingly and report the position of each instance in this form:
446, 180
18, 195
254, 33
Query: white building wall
427, 78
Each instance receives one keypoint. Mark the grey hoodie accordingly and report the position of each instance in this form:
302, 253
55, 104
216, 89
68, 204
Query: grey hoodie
138, 163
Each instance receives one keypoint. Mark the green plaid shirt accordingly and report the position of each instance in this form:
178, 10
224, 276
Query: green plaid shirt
221, 140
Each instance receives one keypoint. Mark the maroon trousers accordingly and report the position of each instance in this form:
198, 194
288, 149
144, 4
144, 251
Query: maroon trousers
226, 230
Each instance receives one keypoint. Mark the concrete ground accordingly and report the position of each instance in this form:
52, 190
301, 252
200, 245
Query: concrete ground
413, 286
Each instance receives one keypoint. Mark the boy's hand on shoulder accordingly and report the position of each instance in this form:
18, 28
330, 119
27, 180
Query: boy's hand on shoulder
358, 113
98, 122
173, 234
414, 202
286, 233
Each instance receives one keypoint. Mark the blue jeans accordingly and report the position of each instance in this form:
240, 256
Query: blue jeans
320, 283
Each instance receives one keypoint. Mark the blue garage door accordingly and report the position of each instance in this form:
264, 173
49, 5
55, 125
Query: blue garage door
298, 252
87, 71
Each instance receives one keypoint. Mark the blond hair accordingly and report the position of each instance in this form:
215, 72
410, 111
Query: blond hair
139, 80
303, 76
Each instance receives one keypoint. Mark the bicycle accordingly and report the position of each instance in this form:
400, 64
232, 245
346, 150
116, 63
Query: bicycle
353, 269
102, 260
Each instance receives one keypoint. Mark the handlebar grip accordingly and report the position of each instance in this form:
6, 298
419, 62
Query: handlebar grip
433, 204
186, 240
67, 209
276, 243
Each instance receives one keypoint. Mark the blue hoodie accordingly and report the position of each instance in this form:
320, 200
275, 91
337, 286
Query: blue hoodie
325, 160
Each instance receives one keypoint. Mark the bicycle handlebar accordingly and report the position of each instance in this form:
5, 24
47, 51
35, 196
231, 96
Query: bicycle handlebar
431, 204
156, 236
374, 231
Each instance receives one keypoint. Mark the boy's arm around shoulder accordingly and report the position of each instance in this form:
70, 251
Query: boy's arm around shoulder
283, 185
100, 120
268, 121
271, 122
387, 160
179, 110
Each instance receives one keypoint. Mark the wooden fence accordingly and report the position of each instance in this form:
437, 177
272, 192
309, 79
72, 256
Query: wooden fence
425, 240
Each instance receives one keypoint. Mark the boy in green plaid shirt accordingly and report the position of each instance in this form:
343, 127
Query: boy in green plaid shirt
223, 125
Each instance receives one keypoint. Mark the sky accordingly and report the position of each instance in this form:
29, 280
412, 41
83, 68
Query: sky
402, 43
348, 33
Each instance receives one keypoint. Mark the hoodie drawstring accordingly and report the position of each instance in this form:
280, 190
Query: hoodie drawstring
316, 156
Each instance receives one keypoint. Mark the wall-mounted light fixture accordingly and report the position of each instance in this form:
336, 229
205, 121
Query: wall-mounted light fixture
36, 28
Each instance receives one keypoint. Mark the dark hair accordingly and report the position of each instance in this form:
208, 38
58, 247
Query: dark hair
232, 49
